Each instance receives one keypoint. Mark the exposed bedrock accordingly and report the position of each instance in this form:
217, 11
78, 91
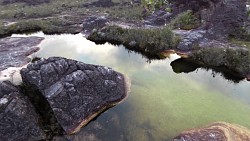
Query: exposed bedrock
219, 131
14, 50
75, 91
18, 120
220, 17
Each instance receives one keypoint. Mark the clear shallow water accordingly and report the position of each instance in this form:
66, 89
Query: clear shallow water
161, 103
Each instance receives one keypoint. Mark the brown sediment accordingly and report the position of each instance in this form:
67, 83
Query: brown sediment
166, 53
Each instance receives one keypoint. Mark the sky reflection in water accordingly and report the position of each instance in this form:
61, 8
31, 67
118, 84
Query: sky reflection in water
162, 103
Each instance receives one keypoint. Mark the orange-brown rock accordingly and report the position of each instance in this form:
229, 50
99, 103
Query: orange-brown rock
219, 131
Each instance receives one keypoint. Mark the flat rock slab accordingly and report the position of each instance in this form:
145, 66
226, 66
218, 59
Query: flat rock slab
18, 120
76, 92
14, 50
219, 131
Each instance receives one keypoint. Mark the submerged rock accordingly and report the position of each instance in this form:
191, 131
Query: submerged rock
18, 120
76, 92
14, 50
106, 127
219, 131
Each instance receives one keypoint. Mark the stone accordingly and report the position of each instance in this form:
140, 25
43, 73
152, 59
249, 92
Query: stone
93, 22
14, 51
189, 38
219, 131
219, 17
18, 119
76, 92
158, 18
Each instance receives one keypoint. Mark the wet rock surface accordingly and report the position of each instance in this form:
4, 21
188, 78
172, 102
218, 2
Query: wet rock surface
14, 50
18, 120
76, 92
219, 131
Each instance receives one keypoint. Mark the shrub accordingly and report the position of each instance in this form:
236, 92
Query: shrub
147, 41
236, 59
186, 20
151, 5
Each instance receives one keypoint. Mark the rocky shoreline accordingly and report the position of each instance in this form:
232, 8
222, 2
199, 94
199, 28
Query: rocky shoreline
64, 91
208, 44
66, 94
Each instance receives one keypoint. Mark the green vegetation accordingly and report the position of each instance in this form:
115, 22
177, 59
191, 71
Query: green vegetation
125, 13
60, 16
236, 59
146, 41
151, 5
241, 43
48, 26
21, 10
186, 20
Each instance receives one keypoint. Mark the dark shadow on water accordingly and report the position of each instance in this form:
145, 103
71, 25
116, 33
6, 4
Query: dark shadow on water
107, 125
186, 65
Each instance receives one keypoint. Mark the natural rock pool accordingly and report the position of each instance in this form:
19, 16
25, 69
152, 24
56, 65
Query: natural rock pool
161, 103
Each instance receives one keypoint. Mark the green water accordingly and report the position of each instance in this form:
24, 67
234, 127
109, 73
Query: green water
161, 103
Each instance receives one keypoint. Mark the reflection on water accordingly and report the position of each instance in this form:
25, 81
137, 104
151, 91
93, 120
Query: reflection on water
186, 65
162, 103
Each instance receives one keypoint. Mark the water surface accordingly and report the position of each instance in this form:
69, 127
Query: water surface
162, 103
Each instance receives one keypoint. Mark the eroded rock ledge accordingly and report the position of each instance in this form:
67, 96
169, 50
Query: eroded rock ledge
14, 50
75, 91
219, 131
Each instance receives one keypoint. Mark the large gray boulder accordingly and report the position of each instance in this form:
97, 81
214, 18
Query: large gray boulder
76, 92
18, 120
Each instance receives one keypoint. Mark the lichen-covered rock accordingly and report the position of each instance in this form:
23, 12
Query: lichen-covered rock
14, 50
76, 91
219, 131
18, 120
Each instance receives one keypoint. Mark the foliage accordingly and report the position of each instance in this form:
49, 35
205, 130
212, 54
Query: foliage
125, 13
240, 43
236, 59
49, 26
147, 41
151, 5
186, 21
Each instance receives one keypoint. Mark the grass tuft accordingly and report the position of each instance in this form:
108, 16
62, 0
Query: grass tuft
236, 59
